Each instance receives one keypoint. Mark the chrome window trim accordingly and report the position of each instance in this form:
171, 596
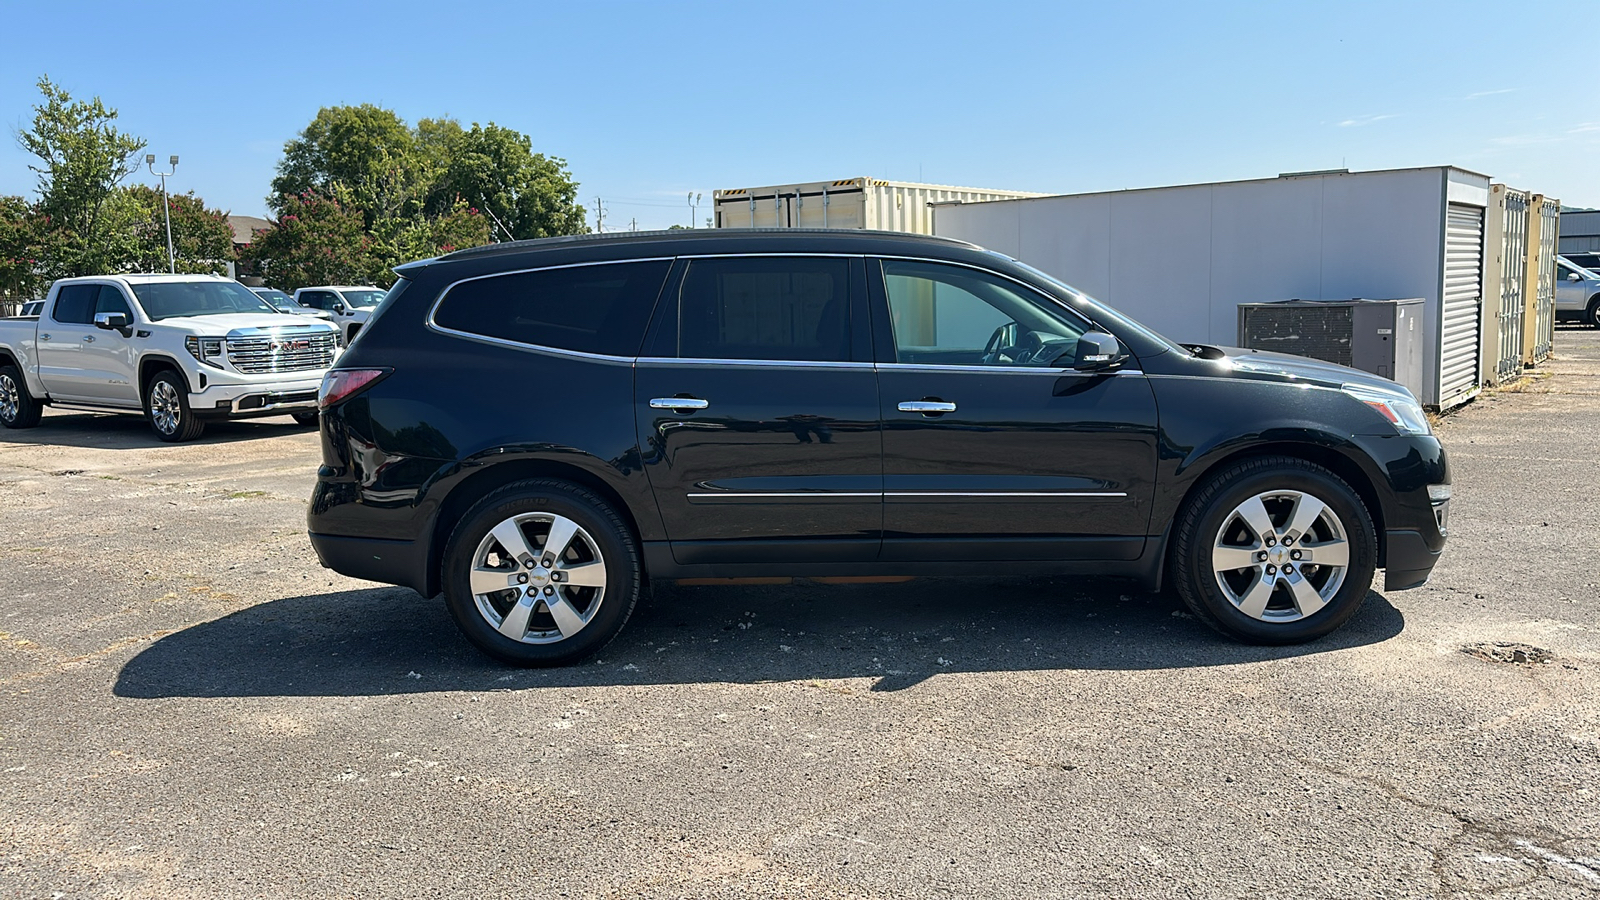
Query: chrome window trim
795, 363
433, 311
1012, 370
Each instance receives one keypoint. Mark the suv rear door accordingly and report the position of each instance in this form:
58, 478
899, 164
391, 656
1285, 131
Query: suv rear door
757, 410
1016, 458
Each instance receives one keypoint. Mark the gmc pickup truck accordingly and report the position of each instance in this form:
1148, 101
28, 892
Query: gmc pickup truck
181, 349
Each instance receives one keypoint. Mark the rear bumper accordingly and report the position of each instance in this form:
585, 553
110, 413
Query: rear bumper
403, 563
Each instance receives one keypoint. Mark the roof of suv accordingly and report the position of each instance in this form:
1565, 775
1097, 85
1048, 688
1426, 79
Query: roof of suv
830, 239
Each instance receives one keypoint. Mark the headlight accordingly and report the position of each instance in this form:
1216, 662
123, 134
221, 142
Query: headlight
206, 349
1403, 413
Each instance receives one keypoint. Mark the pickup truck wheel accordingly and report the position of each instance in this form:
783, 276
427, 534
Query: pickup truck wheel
1274, 551
308, 419
166, 404
541, 573
18, 409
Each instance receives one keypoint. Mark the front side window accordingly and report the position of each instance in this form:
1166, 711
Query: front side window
362, 299
772, 308
110, 300
590, 309
955, 316
177, 299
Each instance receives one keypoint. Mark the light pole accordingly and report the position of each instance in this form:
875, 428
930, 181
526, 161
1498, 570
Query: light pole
166, 207
694, 207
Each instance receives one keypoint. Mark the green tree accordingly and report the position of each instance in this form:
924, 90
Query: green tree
82, 158
533, 195
26, 239
365, 150
315, 240
400, 241
202, 239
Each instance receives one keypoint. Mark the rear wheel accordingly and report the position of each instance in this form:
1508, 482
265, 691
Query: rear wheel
18, 409
1275, 551
541, 573
166, 404
308, 419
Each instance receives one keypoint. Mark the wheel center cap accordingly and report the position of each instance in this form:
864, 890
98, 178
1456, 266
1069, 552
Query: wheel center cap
538, 579
1278, 555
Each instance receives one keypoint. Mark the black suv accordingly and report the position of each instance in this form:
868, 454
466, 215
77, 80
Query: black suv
538, 428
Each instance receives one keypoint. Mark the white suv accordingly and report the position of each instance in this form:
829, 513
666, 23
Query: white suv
350, 305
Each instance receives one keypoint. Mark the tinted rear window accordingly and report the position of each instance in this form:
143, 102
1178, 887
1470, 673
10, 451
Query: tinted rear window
591, 309
75, 304
786, 308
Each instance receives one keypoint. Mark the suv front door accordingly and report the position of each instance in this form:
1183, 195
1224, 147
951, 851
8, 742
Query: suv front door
994, 449
757, 411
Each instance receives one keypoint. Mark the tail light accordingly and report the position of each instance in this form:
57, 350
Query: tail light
342, 384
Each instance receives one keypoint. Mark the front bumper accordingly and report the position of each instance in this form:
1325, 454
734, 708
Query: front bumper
230, 396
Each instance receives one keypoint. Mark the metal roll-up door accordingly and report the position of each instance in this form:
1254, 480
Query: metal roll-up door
1513, 274
1463, 295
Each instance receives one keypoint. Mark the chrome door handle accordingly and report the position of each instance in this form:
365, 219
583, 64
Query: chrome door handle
88, 339
926, 407
44, 337
680, 404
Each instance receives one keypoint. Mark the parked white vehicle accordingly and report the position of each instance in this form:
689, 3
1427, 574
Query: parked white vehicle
181, 349
1577, 293
351, 305
285, 304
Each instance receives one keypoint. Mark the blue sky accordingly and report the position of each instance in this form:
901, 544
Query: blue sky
648, 101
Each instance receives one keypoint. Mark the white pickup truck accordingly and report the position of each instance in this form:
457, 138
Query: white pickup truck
349, 305
181, 349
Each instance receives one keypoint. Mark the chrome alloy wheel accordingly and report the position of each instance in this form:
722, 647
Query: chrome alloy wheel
10, 399
1280, 556
538, 578
165, 408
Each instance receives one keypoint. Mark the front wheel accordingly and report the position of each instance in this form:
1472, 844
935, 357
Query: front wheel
1274, 551
166, 404
1592, 314
18, 409
541, 573
306, 419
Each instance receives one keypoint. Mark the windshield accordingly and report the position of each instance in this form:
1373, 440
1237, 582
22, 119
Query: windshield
362, 299
171, 299
1099, 311
277, 298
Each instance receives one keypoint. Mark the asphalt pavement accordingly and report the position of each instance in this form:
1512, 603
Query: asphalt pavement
191, 707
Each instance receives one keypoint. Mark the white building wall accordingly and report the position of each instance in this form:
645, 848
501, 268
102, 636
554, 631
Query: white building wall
1182, 259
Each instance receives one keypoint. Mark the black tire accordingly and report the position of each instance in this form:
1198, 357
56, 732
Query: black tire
166, 406
307, 419
1592, 314
600, 523
1214, 504
18, 408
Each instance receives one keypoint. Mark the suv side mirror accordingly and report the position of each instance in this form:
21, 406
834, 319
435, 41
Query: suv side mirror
1098, 352
111, 320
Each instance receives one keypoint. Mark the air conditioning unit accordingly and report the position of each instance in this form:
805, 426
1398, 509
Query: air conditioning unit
1383, 337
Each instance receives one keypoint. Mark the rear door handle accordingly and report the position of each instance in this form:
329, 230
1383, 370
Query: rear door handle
88, 339
681, 404
927, 407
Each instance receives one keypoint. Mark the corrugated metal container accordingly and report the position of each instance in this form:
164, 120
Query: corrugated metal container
1544, 225
1580, 232
848, 203
1182, 258
1505, 265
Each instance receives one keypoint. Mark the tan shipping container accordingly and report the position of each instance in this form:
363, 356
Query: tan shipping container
848, 203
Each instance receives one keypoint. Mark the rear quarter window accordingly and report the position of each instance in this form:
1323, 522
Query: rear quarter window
600, 308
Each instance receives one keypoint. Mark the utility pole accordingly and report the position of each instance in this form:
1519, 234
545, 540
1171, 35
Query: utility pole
599, 216
166, 207
633, 224
694, 207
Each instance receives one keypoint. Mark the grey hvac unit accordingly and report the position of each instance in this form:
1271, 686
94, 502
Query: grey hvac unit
1383, 337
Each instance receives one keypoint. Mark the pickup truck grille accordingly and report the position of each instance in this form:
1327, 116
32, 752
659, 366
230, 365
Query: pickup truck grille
282, 353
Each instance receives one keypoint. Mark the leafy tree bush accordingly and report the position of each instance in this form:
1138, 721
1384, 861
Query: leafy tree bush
315, 240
